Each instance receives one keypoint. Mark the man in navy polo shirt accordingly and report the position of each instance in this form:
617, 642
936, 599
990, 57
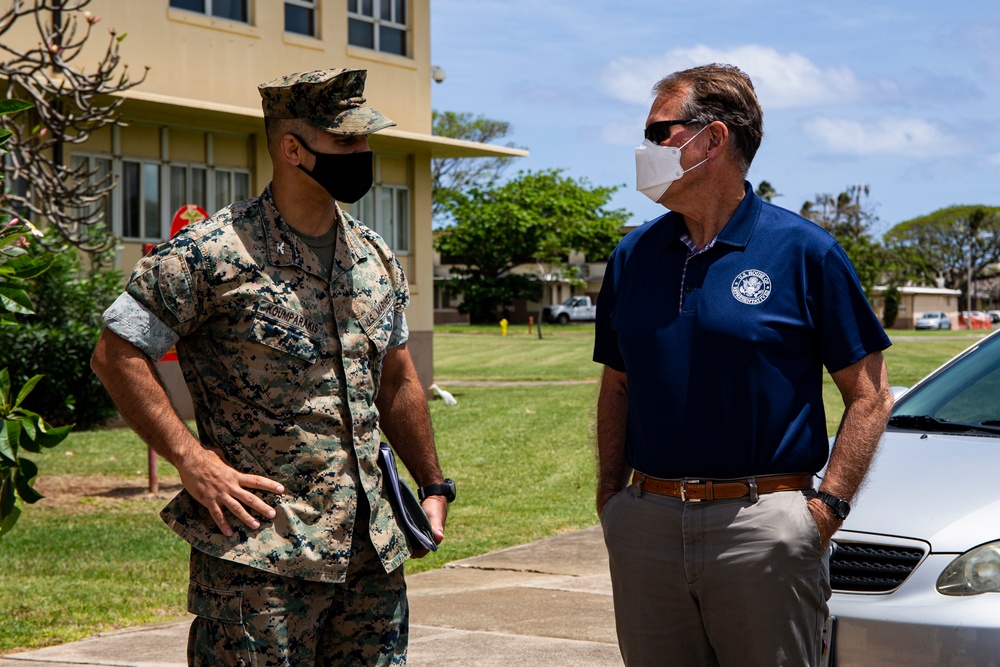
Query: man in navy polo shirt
714, 324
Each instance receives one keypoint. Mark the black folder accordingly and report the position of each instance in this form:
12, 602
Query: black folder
409, 514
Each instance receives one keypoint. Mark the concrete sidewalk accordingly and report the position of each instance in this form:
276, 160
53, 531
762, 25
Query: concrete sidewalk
545, 603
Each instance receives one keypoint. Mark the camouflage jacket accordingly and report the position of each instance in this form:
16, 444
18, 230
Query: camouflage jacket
282, 360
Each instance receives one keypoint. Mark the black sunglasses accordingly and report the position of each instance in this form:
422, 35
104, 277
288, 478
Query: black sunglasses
659, 131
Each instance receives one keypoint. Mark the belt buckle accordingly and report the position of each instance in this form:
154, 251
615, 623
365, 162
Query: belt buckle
684, 483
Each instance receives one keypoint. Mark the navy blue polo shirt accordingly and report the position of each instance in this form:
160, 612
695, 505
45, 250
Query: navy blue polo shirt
724, 356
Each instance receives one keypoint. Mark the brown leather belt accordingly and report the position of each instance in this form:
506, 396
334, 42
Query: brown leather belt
698, 489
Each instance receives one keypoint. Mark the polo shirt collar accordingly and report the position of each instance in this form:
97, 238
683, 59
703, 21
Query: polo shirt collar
738, 230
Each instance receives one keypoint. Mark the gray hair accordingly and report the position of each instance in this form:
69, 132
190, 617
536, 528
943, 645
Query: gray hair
721, 93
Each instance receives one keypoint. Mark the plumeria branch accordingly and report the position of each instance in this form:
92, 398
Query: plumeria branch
71, 103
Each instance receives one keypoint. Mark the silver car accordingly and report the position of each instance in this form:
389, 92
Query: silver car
933, 320
916, 566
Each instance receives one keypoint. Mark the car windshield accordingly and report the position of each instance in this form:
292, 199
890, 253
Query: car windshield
963, 397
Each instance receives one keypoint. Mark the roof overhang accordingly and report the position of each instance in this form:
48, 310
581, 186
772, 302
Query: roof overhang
939, 291
192, 113
415, 142
188, 113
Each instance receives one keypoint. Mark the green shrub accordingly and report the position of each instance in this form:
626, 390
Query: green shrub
58, 339
891, 307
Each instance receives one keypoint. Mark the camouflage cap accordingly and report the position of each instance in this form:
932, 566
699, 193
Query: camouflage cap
331, 99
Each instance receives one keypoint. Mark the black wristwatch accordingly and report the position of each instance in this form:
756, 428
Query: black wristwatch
839, 506
447, 490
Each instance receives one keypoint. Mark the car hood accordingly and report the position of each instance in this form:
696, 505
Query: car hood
942, 489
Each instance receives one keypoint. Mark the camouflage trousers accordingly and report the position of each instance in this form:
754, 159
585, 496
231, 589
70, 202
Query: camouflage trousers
252, 618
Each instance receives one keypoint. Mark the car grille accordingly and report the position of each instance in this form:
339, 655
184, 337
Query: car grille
871, 568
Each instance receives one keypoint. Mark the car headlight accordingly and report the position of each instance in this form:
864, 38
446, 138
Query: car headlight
974, 572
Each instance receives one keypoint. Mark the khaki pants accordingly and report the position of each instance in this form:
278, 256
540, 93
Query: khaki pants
721, 583
252, 618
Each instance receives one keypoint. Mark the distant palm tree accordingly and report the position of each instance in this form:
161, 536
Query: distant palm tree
766, 191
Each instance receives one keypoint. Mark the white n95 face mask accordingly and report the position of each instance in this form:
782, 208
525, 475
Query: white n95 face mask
656, 167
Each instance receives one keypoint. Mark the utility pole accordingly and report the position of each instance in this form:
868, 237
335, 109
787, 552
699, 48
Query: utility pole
968, 295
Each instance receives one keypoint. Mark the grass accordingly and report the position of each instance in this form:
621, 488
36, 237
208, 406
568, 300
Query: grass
523, 460
515, 357
115, 452
103, 564
910, 358
84, 561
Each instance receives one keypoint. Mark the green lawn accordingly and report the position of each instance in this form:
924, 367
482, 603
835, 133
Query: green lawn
94, 555
465, 357
523, 461
99, 564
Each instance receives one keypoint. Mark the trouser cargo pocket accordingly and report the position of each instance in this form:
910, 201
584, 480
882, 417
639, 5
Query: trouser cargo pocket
218, 635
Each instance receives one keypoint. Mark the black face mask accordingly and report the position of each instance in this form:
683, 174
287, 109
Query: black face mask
346, 176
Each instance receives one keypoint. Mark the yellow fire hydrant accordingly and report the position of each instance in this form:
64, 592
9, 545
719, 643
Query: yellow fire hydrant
503, 327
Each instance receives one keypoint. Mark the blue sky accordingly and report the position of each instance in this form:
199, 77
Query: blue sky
901, 96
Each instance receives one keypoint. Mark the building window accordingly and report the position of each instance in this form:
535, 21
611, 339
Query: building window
231, 185
188, 185
395, 217
300, 17
141, 207
386, 210
377, 24
97, 169
140, 187
234, 10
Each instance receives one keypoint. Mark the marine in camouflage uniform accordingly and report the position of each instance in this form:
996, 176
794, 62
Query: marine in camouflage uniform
283, 354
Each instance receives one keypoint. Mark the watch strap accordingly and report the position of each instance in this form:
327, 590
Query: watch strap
447, 489
841, 508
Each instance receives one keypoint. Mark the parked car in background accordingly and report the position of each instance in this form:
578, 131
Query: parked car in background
575, 308
915, 569
933, 320
994, 316
980, 320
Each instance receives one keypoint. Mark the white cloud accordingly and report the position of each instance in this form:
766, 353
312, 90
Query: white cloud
908, 137
621, 134
782, 80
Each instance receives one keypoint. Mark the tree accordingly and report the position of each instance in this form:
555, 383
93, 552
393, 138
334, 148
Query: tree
453, 175
767, 192
57, 339
850, 218
535, 218
891, 306
21, 430
71, 102
951, 245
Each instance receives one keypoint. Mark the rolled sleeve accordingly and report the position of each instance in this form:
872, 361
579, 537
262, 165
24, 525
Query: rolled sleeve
400, 331
138, 325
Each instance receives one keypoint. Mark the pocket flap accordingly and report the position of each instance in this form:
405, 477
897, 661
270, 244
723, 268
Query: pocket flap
175, 286
216, 604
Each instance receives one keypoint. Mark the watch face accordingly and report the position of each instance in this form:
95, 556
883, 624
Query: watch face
841, 508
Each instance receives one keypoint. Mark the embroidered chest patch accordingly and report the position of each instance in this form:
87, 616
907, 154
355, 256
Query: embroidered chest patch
290, 317
370, 320
752, 287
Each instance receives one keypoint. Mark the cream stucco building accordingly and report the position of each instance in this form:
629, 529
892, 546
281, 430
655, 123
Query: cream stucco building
195, 127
